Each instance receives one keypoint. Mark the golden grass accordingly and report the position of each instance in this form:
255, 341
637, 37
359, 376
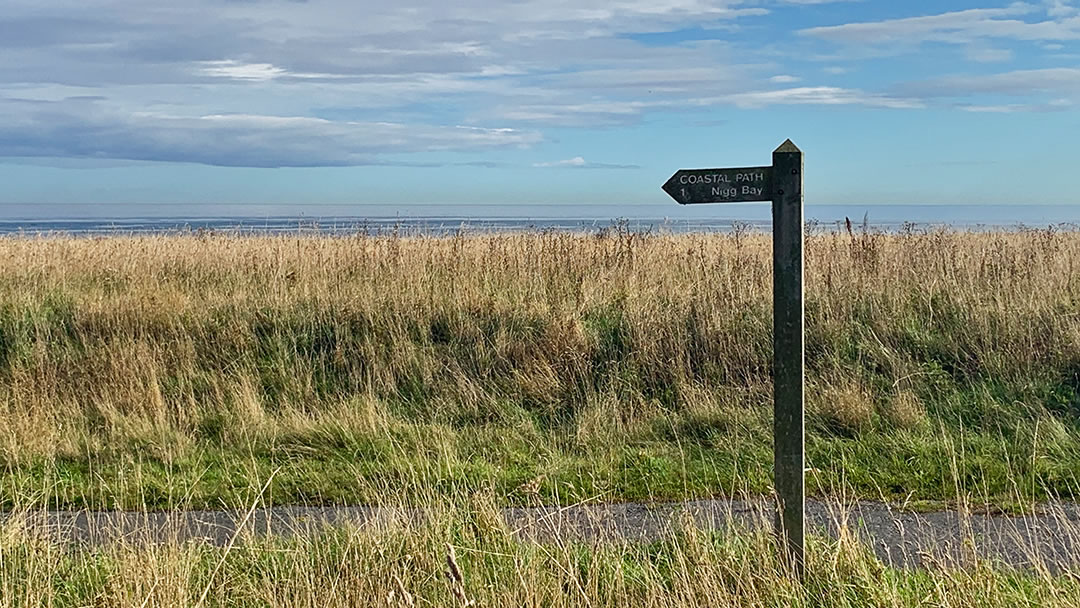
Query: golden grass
180, 370
159, 348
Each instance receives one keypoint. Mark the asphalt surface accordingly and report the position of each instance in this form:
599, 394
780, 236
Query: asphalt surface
1048, 538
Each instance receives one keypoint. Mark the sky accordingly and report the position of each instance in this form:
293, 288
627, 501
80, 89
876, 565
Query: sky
130, 107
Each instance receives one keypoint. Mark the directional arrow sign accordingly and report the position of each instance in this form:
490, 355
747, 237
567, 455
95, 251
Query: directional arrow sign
737, 185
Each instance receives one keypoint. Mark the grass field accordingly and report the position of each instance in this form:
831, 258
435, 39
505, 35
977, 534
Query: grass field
160, 371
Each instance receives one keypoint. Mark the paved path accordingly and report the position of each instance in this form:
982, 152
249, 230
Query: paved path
1049, 538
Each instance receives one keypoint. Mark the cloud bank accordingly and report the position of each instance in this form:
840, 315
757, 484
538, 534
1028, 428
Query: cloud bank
77, 128
272, 83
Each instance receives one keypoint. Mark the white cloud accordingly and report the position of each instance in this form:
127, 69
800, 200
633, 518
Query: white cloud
821, 96
87, 129
230, 68
579, 162
567, 113
1056, 81
987, 55
1056, 105
1060, 8
958, 27
239, 70
784, 79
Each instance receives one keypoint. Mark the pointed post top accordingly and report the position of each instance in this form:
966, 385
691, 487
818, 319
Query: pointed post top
787, 148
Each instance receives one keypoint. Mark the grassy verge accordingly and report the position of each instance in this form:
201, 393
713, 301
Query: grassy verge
400, 564
152, 372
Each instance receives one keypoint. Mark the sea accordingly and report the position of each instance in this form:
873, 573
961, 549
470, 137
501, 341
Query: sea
493, 218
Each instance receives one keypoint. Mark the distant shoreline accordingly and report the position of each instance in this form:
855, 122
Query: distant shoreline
434, 219
350, 226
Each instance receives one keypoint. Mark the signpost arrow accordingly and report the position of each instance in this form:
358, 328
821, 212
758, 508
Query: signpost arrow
692, 186
781, 183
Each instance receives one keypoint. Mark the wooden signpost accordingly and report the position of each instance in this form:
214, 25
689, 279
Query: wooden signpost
782, 183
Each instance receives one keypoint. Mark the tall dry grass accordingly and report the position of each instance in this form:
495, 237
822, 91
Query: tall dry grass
595, 358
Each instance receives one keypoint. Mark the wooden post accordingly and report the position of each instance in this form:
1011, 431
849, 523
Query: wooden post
788, 363
783, 182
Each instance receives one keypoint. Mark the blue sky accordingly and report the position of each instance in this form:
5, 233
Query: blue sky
126, 107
